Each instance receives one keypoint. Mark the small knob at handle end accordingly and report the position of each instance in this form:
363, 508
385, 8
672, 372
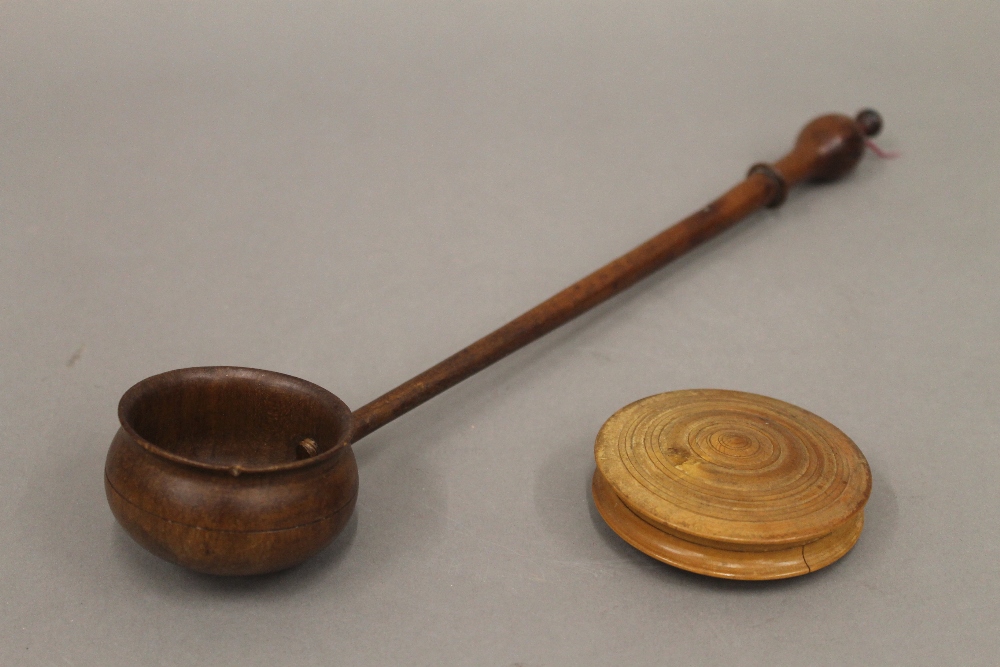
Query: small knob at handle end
870, 122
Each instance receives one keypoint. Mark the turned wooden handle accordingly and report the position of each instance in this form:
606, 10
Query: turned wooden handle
826, 149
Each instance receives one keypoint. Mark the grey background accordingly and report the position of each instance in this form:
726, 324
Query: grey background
350, 192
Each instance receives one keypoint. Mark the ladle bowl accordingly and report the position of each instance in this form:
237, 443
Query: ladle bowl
231, 471
239, 471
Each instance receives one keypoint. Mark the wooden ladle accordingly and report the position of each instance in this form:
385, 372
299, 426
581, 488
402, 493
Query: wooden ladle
238, 471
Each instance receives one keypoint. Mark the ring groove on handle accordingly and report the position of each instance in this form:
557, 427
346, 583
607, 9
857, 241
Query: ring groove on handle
779, 185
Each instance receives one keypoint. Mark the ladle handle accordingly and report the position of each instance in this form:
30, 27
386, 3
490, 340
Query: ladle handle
826, 149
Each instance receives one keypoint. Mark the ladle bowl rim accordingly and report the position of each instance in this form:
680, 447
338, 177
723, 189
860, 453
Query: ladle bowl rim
339, 410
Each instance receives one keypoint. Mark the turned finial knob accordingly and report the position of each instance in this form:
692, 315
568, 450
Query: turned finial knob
828, 147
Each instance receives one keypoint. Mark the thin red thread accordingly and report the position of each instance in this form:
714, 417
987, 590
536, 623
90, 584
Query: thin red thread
885, 155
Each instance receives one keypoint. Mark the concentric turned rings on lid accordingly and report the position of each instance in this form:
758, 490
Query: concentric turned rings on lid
732, 471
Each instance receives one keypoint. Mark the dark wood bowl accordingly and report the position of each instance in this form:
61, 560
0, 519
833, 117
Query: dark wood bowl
231, 471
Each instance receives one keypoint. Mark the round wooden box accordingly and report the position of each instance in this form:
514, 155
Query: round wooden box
730, 484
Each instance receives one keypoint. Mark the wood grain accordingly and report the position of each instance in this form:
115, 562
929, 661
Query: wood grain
207, 469
243, 471
826, 149
730, 484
